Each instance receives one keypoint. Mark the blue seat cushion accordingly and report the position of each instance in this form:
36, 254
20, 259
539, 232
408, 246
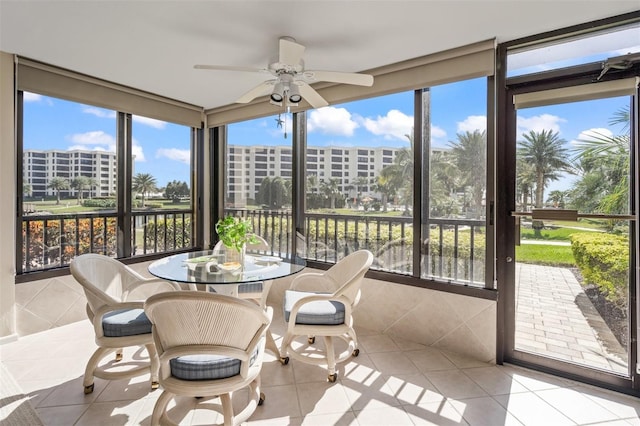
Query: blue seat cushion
320, 312
246, 288
125, 322
206, 367
250, 288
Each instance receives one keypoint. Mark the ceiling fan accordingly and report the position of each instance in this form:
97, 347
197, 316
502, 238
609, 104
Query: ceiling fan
291, 81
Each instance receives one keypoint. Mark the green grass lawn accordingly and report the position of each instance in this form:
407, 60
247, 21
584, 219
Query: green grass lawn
541, 254
558, 234
70, 206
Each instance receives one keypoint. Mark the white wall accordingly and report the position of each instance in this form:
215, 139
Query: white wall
450, 322
7, 197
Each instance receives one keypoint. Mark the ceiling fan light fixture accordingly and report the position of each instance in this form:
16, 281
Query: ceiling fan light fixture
294, 94
277, 96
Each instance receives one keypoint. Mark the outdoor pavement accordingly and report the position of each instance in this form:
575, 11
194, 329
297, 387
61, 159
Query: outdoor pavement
555, 318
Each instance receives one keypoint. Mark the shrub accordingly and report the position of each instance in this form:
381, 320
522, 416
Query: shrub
168, 231
102, 203
603, 260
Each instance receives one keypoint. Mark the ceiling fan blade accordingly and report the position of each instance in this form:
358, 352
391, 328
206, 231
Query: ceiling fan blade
339, 77
310, 95
229, 68
260, 90
290, 52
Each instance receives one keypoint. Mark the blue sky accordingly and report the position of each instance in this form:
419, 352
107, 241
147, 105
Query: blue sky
162, 149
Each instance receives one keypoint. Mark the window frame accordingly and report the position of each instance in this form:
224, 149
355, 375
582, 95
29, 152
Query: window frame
123, 211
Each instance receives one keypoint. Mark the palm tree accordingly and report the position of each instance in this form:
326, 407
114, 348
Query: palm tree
545, 151
604, 163
58, 184
273, 192
557, 198
312, 183
386, 186
79, 184
330, 189
91, 183
445, 180
402, 171
27, 189
469, 153
143, 183
358, 183
525, 182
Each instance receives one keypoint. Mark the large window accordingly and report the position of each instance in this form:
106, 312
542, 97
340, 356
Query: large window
161, 186
361, 189
455, 165
258, 181
74, 175
371, 207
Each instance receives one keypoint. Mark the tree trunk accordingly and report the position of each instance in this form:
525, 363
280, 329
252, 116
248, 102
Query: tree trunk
539, 190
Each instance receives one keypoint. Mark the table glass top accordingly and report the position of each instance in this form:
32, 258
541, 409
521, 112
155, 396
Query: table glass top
207, 267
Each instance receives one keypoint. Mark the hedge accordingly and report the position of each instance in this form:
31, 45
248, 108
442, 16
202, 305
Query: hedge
603, 260
168, 230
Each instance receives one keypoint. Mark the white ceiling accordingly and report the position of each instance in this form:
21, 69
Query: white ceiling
153, 45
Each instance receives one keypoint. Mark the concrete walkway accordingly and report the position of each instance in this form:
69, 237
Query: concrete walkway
555, 318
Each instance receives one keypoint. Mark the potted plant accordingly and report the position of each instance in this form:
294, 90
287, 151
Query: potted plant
235, 233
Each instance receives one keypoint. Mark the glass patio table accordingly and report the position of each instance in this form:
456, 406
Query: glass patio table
208, 267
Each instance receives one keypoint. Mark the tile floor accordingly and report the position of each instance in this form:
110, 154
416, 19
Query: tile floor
392, 382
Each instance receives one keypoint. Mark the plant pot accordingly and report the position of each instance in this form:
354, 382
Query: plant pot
233, 255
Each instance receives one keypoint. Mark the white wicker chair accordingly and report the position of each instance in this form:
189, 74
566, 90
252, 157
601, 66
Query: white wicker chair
115, 296
259, 290
209, 345
321, 304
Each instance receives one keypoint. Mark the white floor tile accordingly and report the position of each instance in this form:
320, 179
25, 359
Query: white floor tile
392, 382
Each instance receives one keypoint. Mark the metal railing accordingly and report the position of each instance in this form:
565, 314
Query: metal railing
52, 240
454, 249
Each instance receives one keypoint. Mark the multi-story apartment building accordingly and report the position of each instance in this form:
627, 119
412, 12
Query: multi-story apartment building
40, 166
351, 166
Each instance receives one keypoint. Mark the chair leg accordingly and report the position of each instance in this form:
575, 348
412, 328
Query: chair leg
155, 365
92, 364
331, 358
227, 409
284, 347
119, 354
160, 407
271, 344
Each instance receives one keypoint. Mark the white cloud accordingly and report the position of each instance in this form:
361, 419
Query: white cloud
182, 155
138, 154
97, 137
438, 132
538, 123
473, 123
100, 141
151, 122
331, 121
438, 136
394, 125
31, 97
595, 134
136, 151
93, 148
99, 112
105, 113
